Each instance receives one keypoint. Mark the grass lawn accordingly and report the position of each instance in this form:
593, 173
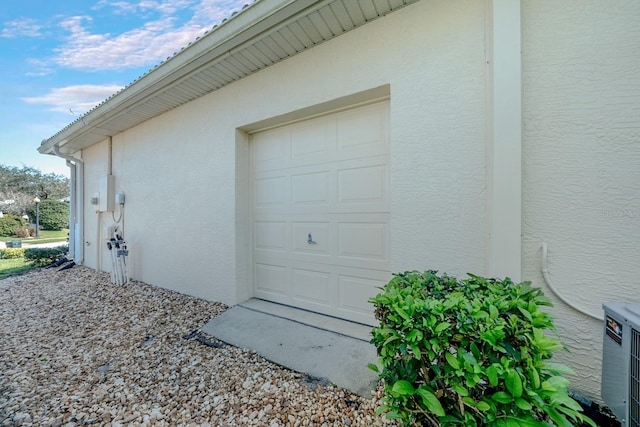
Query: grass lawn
13, 266
45, 237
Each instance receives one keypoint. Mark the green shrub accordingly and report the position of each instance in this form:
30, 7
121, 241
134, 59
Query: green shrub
469, 353
53, 215
11, 253
45, 256
9, 224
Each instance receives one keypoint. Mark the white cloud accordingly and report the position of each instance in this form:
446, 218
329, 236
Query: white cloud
145, 6
21, 28
75, 99
39, 68
147, 45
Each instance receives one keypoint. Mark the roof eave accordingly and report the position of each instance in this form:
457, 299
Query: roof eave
255, 23
246, 25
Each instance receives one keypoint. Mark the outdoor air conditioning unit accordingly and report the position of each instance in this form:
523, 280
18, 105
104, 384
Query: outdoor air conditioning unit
621, 362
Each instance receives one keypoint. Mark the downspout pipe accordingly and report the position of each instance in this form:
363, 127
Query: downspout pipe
76, 206
72, 209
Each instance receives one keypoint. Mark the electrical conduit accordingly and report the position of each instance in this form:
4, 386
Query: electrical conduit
547, 280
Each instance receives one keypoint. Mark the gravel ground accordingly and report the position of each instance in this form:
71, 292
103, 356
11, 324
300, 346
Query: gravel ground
77, 350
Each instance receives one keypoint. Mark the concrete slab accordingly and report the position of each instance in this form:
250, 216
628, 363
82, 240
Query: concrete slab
320, 353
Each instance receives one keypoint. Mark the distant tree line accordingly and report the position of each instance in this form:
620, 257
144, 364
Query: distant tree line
19, 187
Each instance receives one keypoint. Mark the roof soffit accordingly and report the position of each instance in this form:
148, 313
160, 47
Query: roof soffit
261, 35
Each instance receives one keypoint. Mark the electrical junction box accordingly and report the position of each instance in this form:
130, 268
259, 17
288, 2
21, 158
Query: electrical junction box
108, 231
107, 194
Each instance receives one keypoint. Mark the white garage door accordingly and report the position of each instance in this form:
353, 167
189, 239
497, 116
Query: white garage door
321, 212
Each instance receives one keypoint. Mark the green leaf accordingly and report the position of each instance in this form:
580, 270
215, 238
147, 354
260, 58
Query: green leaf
492, 374
402, 313
393, 415
416, 351
529, 422
381, 410
567, 401
493, 312
442, 326
403, 388
430, 401
526, 314
513, 422
483, 406
390, 340
414, 335
469, 358
534, 376
585, 419
558, 382
452, 361
558, 418
514, 383
558, 369
480, 314
523, 404
502, 397
460, 390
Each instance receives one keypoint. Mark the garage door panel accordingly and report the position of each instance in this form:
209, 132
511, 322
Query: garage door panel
270, 235
314, 138
271, 191
272, 149
363, 184
312, 238
321, 212
310, 188
272, 279
312, 287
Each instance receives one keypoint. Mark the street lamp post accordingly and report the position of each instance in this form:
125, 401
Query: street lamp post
37, 202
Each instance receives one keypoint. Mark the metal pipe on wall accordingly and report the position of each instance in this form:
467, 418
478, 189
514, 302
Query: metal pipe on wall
76, 205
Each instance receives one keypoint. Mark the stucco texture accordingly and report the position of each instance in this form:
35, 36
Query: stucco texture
185, 173
581, 164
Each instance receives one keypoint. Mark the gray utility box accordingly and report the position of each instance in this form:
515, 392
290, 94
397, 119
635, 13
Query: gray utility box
621, 362
14, 244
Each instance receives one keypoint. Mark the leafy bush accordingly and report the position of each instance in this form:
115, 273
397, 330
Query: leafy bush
45, 256
11, 253
9, 224
53, 215
469, 352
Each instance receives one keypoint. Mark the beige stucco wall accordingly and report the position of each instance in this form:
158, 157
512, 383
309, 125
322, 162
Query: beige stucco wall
581, 163
185, 173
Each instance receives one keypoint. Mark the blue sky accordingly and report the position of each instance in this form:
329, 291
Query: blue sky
58, 59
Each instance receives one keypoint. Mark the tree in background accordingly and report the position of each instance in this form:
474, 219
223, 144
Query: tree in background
10, 224
54, 214
18, 187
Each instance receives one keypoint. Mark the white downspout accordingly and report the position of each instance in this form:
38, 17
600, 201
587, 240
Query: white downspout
76, 213
72, 209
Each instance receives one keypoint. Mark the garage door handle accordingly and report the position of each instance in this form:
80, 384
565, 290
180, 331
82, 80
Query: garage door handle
310, 240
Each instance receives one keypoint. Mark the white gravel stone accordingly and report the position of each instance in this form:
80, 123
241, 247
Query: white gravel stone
77, 350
